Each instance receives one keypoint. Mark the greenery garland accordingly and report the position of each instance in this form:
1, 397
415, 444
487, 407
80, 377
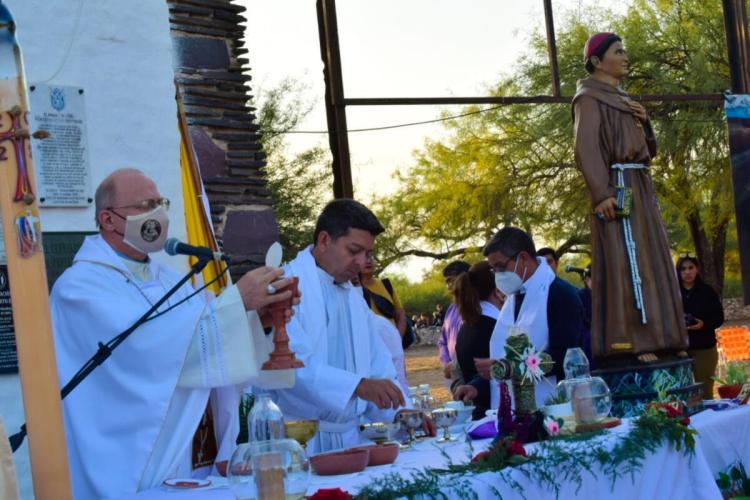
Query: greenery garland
558, 460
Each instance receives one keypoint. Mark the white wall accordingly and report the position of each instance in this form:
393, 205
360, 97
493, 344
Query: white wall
120, 53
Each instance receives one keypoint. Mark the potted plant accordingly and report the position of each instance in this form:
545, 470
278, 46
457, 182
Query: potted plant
558, 405
731, 383
734, 483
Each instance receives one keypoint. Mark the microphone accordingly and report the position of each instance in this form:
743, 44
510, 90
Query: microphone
173, 246
568, 268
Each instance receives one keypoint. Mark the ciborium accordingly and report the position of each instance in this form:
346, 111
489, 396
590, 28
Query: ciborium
445, 417
282, 358
412, 420
301, 431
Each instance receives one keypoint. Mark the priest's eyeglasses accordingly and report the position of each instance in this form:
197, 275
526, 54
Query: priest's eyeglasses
500, 267
145, 205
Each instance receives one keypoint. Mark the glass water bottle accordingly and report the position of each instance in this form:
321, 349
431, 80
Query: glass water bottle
265, 422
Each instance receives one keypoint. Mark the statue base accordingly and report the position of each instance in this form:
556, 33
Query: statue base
634, 386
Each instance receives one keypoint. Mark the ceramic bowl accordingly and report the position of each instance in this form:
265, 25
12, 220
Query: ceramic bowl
464, 414
340, 462
381, 454
455, 405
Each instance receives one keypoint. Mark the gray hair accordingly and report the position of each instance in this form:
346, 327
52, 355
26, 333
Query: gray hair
106, 192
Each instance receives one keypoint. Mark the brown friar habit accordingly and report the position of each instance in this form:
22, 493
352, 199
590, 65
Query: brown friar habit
606, 133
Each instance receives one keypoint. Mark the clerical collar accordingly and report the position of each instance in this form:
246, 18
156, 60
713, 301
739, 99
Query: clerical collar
125, 257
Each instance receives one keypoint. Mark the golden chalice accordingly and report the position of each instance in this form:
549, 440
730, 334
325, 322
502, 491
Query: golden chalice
301, 431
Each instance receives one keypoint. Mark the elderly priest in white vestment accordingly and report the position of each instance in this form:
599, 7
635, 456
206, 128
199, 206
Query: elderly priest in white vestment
348, 376
130, 424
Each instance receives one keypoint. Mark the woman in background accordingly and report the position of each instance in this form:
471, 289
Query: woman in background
703, 315
479, 302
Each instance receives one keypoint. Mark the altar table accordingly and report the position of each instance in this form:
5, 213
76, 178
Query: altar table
723, 438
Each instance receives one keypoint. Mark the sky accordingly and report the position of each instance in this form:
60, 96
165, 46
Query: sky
393, 48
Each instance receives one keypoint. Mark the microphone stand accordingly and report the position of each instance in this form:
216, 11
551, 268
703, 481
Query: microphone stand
105, 350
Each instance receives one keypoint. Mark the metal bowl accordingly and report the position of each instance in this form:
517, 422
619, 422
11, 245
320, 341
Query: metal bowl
380, 432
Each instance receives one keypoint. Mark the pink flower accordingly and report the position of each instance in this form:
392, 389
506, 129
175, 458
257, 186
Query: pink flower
552, 426
532, 362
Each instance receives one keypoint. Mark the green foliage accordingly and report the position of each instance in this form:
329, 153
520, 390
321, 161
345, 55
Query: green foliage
300, 183
736, 374
246, 404
558, 460
422, 297
515, 164
735, 481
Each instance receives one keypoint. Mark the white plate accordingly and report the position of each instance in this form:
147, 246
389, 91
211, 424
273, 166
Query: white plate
186, 483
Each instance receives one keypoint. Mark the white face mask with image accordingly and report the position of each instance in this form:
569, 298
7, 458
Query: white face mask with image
147, 232
509, 282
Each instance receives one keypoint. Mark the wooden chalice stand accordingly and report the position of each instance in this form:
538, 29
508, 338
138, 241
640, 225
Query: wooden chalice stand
282, 358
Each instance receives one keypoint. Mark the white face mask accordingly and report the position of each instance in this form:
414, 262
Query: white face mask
509, 282
147, 232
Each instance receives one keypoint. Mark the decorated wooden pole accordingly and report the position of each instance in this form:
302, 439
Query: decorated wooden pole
27, 277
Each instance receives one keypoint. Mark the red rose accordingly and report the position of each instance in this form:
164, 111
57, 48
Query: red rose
480, 456
685, 421
330, 494
672, 411
516, 448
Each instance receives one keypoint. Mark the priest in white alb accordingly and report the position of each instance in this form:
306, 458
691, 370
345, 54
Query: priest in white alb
130, 424
348, 377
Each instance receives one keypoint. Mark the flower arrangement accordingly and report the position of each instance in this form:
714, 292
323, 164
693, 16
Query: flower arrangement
570, 457
503, 452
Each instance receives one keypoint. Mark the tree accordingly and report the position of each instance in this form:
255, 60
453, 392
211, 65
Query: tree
515, 164
300, 183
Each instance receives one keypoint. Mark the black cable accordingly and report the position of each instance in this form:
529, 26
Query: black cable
104, 351
387, 127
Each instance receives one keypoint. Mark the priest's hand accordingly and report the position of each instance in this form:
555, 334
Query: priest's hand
381, 392
484, 367
448, 370
254, 288
606, 208
466, 393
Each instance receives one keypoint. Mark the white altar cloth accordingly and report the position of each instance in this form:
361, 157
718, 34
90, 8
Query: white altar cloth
724, 437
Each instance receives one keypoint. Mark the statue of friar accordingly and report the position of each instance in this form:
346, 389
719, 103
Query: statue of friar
636, 309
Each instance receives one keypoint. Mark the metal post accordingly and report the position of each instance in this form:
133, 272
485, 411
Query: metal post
335, 105
552, 47
735, 28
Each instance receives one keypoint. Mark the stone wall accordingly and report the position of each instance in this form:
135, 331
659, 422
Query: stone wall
735, 310
211, 69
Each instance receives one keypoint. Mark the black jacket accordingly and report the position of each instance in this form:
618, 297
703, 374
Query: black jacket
473, 341
703, 303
